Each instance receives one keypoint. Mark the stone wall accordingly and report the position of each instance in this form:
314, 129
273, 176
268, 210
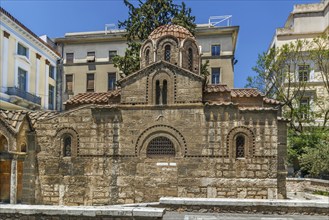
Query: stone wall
296, 185
140, 88
111, 165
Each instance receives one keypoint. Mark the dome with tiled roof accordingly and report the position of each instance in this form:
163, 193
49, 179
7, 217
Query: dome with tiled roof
171, 29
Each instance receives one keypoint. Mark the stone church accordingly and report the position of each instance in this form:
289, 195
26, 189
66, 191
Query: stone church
164, 132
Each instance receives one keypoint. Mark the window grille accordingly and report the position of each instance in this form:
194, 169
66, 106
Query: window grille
240, 145
190, 59
167, 53
67, 146
161, 146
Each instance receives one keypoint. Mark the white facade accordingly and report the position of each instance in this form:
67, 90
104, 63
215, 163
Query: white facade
25, 63
306, 22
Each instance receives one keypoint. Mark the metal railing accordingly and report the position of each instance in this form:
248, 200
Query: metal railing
23, 94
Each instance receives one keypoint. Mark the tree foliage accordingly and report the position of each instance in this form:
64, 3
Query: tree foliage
278, 75
142, 20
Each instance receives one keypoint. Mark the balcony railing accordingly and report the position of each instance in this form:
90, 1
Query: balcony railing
23, 94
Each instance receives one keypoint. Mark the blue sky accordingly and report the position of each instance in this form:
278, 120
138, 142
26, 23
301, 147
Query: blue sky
257, 20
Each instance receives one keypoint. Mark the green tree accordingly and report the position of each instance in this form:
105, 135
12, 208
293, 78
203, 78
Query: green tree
278, 75
315, 158
142, 20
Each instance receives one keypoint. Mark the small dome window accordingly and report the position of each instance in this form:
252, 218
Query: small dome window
240, 145
67, 142
147, 57
190, 59
167, 53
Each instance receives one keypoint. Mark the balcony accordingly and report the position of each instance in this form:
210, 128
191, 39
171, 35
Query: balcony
14, 91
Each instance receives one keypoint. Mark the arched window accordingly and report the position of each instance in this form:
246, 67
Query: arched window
160, 146
190, 59
164, 92
239, 146
67, 143
3, 143
147, 57
157, 92
167, 53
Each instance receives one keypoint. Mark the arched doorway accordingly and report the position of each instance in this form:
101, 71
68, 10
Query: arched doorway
5, 171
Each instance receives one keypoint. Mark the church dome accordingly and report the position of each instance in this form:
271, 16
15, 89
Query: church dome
171, 29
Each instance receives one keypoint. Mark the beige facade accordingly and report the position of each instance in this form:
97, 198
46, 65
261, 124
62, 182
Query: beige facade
104, 43
306, 22
28, 67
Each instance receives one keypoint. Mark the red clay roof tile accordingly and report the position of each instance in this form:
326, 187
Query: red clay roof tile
171, 29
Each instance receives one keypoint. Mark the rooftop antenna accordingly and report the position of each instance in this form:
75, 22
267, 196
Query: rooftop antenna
109, 28
218, 20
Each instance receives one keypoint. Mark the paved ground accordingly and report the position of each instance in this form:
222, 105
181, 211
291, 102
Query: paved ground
228, 216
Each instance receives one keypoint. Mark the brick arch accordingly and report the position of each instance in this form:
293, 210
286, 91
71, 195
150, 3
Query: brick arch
148, 45
174, 44
170, 76
161, 131
11, 141
249, 141
4, 143
187, 44
63, 132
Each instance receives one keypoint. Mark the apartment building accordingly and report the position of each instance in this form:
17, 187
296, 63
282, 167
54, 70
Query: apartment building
28, 70
306, 22
88, 65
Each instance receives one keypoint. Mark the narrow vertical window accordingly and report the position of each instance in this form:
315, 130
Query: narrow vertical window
167, 53
240, 145
90, 82
112, 54
215, 75
215, 50
67, 141
69, 58
22, 79
157, 92
164, 92
69, 83
111, 81
304, 106
303, 73
52, 71
147, 57
51, 94
190, 59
